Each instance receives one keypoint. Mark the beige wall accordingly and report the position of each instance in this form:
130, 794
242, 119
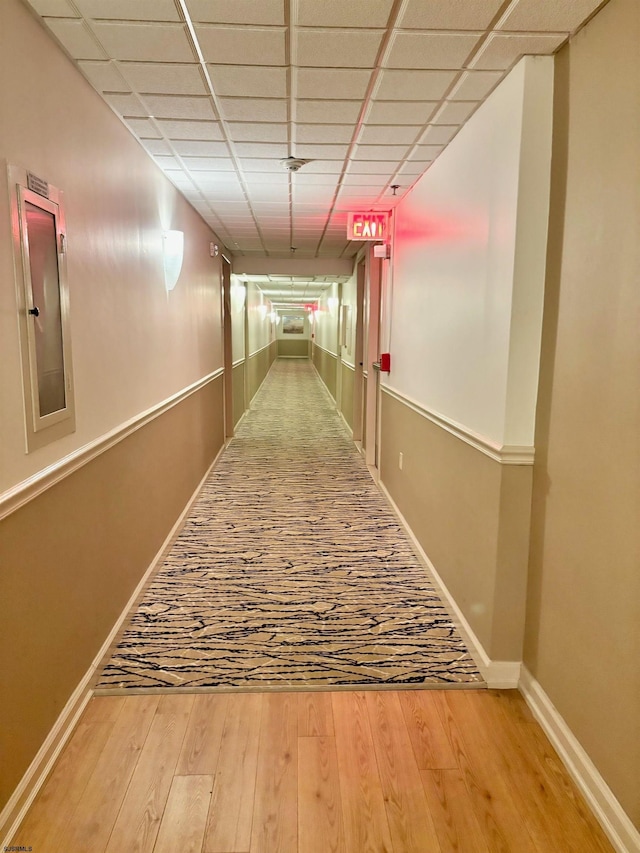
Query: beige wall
238, 391
327, 365
72, 557
294, 347
470, 513
257, 367
346, 399
583, 616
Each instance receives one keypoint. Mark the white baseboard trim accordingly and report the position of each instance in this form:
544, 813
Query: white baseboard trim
20, 801
600, 798
504, 675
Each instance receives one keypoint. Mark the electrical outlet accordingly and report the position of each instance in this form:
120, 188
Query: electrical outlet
400, 461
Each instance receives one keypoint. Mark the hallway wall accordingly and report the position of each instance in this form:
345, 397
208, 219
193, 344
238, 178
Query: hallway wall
261, 339
83, 517
583, 607
325, 341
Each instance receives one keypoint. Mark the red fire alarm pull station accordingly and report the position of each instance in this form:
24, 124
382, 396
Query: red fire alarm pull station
385, 362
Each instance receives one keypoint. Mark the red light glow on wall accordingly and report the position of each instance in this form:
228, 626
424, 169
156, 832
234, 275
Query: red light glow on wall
367, 226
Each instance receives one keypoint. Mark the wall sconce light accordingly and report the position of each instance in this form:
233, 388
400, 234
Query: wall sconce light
173, 253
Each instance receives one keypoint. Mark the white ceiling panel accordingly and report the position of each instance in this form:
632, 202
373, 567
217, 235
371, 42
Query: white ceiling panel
203, 130
179, 107
449, 14
129, 10
401, 112
430, 50
160, 78
327, 112
547, 15
237, 11
413, 85
144, 42
337, 48
254, 109
249, 81
474, 85
501, 51
338, 13
76, 38
334, 83
242, 45
388, 134
104, 76
348, 85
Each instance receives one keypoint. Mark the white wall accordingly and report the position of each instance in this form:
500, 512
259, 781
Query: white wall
261, 328
468, 266
133, 344
349, 300
326, 320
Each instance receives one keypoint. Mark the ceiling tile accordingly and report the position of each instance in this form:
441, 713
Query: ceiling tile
129, 10
400, 112
242, 46
324, 167
249, 81
144, 128
258, 132
271, 150
163, 79
327, 112
191, 148
156, 146
145, 42
237, 11
501, 51
381, 152
456, 112
430, 50
387, 134
53, 8
268, 193
318, 134
351, 179
127, 105
439, 134
337, 13
179, 106
426, 152
209, 164
413, 85
321, 152
190, 129
449, 14
261, 164
254, 109
104, 76
547, 15
475, 85
76, 38
167, 162
338, 83
372, 167
333, 48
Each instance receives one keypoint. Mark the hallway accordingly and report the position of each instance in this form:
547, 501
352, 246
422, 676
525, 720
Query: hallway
291, 569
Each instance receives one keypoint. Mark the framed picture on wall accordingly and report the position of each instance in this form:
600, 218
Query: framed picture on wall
293, 325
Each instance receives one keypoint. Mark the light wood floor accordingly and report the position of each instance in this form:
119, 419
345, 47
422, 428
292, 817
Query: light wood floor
458, 770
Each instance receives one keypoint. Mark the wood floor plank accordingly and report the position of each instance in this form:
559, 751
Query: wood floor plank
320, 824
452, 812
185, 815
94, 816
410, 823
365, 819
315, 715
231, 810
136, 827
431, 745
201, 747
491, 796
275, 815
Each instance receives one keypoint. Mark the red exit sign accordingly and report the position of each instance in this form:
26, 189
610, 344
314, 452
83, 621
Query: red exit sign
367, 226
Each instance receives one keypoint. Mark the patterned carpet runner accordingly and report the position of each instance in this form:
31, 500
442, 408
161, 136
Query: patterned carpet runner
291, 571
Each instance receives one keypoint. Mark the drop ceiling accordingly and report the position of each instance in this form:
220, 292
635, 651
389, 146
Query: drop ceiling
370, 92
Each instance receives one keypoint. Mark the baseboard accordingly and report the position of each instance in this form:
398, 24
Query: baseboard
20, 801
600, 798
498, 674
